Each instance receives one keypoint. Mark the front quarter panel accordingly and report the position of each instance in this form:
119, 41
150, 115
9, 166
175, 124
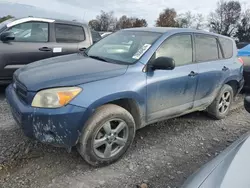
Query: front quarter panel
131, 85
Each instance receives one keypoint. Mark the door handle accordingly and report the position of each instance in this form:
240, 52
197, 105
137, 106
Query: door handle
45, 49
192, 74
225, 68
82, 49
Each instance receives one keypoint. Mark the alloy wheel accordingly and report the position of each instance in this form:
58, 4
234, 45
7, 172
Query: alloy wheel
110, 138
224, 103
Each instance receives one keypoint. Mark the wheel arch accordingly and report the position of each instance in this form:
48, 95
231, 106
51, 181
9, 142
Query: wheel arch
130, 101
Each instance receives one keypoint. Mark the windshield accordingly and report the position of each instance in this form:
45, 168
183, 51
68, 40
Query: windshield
3, 24
124, 46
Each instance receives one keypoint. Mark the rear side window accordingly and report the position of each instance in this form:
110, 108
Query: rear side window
206, 48
227, 47
69, 33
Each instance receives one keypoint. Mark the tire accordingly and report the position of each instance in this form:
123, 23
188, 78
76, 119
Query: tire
104, 116
215, 110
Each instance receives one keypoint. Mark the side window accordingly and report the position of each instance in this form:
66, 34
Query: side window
206, 48
31, 32
69, 33
179, 48
227, 46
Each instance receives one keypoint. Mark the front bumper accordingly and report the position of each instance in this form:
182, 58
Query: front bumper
59, 127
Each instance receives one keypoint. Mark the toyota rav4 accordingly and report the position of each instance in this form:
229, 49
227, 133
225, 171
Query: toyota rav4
97, 99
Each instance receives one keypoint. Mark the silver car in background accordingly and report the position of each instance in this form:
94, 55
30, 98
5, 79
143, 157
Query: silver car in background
228, 170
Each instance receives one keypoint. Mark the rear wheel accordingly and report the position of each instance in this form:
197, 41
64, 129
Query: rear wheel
107, 135
222, 103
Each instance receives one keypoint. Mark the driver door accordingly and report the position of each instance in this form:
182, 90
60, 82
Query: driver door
172, 92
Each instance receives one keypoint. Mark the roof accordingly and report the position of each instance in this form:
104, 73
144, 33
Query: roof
168, 29
50, 20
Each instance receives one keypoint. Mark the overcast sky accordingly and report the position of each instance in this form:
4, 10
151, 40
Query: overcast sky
148, 9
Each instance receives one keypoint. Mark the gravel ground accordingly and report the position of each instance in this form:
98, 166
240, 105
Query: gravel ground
162, 155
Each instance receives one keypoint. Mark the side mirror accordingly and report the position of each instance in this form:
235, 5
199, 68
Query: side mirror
7, 36
163, 63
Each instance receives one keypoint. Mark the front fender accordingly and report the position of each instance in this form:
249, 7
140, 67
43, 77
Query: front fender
139, 100
116, 96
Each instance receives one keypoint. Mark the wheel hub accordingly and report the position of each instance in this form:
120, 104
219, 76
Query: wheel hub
111, 138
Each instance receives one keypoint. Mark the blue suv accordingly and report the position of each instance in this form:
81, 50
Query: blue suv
96, 100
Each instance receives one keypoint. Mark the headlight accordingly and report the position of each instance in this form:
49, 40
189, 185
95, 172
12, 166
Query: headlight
56, 97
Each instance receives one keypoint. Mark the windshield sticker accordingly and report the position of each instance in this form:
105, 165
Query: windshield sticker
141, 51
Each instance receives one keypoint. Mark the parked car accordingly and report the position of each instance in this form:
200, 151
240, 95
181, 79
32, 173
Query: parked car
244, 54
228, 170
95, 36
97, 100
26, 40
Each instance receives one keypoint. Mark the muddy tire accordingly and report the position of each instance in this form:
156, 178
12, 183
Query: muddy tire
107, 135
220, 107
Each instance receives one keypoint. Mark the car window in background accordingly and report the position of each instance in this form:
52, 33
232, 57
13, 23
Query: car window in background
177, 47
4, 23
69, 33
241, 45
124, 46
206, 48
95, 36
31, 32
227, 47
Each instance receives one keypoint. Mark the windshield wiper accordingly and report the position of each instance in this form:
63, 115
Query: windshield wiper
98, 58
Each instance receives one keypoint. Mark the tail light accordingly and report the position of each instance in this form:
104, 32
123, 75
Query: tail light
241, 60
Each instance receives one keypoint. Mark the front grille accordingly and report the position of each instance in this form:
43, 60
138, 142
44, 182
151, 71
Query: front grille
20, 90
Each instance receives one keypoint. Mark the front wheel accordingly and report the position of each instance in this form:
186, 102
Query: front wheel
220, 107
107, 135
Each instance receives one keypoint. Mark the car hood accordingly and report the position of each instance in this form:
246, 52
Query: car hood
229, 170
69, 70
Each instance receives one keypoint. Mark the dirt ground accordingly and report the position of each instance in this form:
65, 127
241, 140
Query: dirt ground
162, 155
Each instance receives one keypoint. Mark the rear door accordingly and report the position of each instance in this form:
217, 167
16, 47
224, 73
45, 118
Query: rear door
212, 68
67, 38
31, 44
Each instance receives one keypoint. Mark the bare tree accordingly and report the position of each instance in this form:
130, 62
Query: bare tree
126, 22
189, 20
167, 18
199, 21
139, 22
225, 18
107, 21
2, 19
104, 22
95, 25
243, 28
185, 20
